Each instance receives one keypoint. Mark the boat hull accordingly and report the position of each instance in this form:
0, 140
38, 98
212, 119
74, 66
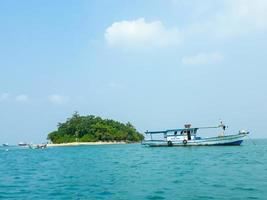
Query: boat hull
230, 140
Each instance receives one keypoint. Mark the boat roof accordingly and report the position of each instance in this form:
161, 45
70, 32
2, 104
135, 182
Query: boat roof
171, 130
179, 130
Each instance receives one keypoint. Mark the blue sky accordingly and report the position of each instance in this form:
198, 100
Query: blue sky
158, 64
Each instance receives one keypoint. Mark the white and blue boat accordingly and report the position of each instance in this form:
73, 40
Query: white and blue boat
188, 137
5, 145
37, 146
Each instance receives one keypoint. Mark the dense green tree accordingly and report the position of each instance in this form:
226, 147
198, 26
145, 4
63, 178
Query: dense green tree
91, 129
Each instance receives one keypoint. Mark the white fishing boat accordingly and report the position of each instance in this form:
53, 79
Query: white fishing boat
22, 144
188, 137
37, 146
5, 144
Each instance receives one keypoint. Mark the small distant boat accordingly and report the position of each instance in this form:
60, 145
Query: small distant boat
23, 144
188, 137
37, 146
5, 144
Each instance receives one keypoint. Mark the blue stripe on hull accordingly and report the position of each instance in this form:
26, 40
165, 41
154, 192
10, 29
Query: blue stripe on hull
232, 143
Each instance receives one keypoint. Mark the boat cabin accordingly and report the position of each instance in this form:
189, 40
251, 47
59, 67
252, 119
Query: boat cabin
181, 134
186, 133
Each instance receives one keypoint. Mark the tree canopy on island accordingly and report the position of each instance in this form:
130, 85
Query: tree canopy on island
92, 129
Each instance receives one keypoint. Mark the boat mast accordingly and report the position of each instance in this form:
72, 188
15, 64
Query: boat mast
223, 127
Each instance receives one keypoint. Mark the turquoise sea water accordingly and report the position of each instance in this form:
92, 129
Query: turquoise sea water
135, 172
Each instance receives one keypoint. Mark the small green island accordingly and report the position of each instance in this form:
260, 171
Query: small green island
93, 129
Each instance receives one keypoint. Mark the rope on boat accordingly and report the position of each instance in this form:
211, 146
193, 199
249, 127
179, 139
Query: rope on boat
251, 140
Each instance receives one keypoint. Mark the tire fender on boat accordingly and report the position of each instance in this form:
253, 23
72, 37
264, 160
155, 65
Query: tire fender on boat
184, 142
169, 143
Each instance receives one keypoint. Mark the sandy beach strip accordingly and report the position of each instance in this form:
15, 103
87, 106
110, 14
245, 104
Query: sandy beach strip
84, 144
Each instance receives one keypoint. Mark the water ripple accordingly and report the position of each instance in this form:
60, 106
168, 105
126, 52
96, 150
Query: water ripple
132, 172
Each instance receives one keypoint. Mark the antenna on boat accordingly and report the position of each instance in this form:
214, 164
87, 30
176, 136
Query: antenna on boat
250, 138
222, 125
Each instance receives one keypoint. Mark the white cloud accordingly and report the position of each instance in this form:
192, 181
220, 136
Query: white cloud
225, 19
241, 17
22, 98
57, 99
4, 96
141, 33
252, 11
234, 18
202, 58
